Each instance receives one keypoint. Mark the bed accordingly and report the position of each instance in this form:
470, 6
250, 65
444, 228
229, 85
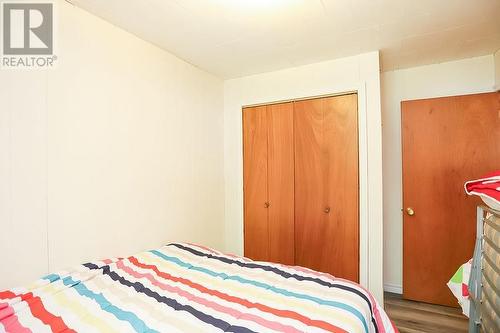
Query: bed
188, 288
484, 283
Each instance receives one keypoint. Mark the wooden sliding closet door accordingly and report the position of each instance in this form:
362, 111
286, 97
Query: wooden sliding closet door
255, 182
326, 185
269, 183
281, 183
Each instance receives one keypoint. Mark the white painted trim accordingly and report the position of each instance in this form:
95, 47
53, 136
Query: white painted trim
393, 288
364, 226
359, 73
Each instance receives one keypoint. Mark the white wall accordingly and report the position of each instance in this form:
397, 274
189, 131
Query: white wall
452, 78
497, 70
353, 73
118, 149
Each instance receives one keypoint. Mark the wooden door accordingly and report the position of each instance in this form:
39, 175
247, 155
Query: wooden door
445, 142
256, 239
281, 183
269, 183
326, 185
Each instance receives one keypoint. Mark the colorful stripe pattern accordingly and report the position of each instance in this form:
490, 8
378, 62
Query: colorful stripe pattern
189, 288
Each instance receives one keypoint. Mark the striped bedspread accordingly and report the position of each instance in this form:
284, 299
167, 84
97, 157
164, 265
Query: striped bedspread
187, 288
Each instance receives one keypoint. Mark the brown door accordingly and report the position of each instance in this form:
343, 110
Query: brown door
445, 142
326, 185
268, 183
280, 183
255, 182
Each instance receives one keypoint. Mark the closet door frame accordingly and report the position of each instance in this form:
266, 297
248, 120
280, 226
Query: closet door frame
364, 224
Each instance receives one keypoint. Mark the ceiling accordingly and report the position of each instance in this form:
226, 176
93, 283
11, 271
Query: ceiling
233, 38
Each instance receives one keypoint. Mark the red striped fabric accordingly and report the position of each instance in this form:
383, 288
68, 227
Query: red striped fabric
38, 310
7, 295
280, 313
10, 322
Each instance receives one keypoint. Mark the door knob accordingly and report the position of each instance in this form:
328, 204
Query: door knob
266, 204
327, 210
410, 211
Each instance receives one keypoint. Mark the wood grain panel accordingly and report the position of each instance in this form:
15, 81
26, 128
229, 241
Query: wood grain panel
326, 185
445, 142
281, 183
309, 184
342, 192
255, 156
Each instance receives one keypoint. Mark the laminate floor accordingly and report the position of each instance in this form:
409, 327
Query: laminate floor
413, 317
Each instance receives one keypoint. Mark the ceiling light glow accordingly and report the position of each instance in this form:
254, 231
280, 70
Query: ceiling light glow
256, 3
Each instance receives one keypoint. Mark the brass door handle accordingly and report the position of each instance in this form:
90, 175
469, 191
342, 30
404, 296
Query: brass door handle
410, 211
266, 204
327, 210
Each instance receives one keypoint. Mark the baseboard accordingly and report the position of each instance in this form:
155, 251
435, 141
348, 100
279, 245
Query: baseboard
393, 288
